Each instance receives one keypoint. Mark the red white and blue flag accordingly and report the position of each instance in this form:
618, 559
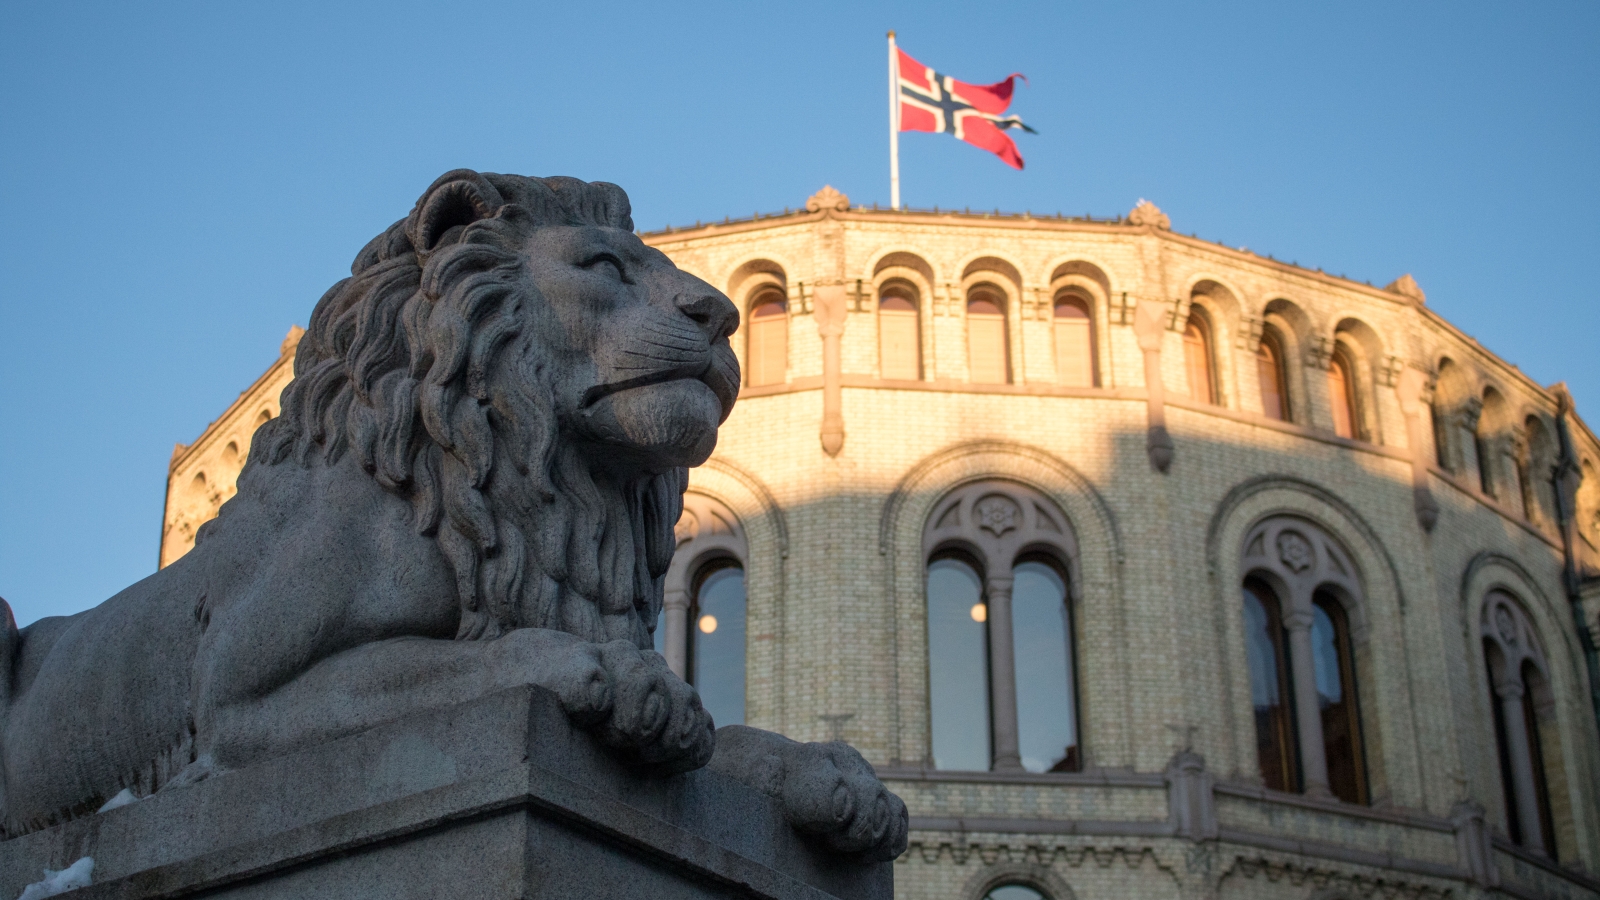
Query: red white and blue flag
974, 113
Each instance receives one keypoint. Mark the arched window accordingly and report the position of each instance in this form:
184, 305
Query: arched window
1074, 334
986, 336
899, 338
1197, 358
1270, 688
767, 352
1334, 664
717, 640
1519, 689
1270, 374
958, 665
1001, 668
1300, 647
1014, 892
1342, 394
702, 628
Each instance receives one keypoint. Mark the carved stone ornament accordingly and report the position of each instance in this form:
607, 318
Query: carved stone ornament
1506, 624
827, 198
996, 514
1295, 551
366, 516
1406, 286
1147, 213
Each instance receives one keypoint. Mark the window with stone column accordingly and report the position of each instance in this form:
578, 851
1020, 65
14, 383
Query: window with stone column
1302, 609
1523, 708
1199, 357
988, 355
1270, 375
1073, 327
899, 337
1001, 650
701, 630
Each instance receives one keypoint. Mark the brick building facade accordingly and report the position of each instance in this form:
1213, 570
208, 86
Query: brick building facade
1256, 490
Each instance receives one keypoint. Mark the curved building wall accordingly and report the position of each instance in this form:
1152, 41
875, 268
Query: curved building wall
1393, 485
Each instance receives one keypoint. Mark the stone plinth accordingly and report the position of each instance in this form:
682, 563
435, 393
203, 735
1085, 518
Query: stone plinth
498, 798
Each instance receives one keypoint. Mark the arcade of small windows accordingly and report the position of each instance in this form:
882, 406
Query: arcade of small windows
1001, 647
1298, 598
702, 627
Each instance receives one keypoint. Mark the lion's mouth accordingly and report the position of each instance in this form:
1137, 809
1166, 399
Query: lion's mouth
721, 376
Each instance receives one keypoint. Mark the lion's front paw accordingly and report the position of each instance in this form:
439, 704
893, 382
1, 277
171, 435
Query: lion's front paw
827, 790
654, 714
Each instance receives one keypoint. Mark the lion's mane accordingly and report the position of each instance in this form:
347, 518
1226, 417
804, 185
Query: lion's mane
419, 365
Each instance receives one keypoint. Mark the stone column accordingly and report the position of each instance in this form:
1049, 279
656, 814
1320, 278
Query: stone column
1149, 326
1412, 388
829, 309
1308, 712
1003, 676
1523, 787
675, 641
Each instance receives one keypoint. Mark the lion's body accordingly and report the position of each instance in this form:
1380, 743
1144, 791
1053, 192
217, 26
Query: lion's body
473, 485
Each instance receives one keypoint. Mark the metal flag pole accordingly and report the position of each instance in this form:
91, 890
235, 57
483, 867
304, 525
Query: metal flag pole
894, 125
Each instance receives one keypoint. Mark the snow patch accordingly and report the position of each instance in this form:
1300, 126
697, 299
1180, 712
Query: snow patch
59, 882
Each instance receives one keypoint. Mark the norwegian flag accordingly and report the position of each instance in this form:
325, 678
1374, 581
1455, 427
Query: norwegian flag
973, 113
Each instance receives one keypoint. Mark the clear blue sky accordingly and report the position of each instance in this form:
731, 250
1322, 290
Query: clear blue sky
181, 182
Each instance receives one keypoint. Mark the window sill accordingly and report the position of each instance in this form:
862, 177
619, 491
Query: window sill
1089, 778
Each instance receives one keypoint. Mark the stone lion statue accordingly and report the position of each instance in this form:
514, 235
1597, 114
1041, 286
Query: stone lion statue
472, 486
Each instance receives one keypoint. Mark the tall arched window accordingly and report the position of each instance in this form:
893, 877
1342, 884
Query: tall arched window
986, 336
1001, 667
1074, 335
767, 352
717, 640
1519, 689
1197, 358
958, 665
1332, 659
899, 339
1270, 375
1299, 643
1342, 394
702, 628
1270, 690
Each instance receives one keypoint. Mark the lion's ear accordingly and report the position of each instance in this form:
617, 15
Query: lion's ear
456, 200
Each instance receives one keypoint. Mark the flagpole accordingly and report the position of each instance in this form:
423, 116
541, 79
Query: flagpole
894, 125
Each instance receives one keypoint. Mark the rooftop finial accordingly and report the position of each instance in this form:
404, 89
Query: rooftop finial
1406, 286
1147, 213
827, 198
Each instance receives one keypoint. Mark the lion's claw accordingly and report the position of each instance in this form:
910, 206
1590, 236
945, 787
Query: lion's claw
827, 790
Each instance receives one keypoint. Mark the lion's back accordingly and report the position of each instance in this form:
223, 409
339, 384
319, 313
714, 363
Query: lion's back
99, 702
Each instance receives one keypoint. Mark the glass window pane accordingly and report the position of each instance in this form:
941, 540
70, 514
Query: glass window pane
716, 636
958, 667
1339, 385
1041, 629
986, 348
1014, 892
897, 344
1341, 727
1197, 362
1074, 345
1270, 375
1269, 689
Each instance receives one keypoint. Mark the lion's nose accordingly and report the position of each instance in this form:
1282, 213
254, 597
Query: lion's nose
714, 313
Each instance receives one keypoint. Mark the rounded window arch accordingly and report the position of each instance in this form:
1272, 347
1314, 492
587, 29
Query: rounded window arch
1001, 644
1198, 356
1342, 399
1272, 376
1302, 613
1073, 324
702, 628
767, 348
987, 345
899, 333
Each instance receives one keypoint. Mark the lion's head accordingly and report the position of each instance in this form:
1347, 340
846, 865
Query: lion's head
516, 363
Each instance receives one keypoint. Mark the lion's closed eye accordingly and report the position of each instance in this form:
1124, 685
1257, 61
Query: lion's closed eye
610, 264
